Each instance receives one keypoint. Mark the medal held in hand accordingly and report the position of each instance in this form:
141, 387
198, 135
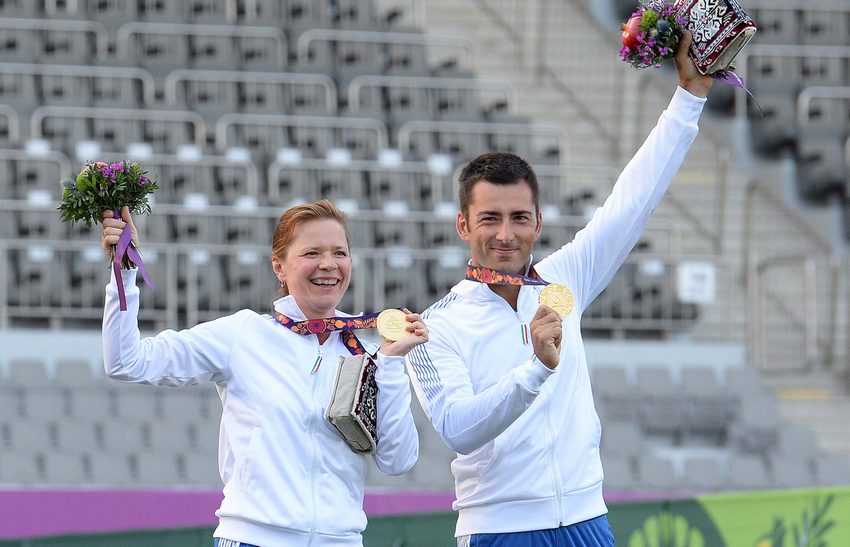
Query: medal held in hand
100, 187
392, 324
558, 297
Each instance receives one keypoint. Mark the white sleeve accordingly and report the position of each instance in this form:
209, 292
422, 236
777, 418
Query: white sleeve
398, 442
464, 419
170, 358
597, 252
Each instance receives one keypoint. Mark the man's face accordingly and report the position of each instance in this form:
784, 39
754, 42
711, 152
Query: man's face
500, 226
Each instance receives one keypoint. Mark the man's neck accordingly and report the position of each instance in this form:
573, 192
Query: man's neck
510, 293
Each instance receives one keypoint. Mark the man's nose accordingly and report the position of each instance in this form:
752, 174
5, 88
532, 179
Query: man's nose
505, 232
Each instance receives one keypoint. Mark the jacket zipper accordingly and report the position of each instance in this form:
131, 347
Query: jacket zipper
315, 380
553, 462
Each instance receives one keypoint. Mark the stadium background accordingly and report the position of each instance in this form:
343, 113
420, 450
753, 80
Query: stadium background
719, 353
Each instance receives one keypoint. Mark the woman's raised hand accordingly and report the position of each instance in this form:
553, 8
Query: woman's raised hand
112, 228
418, 334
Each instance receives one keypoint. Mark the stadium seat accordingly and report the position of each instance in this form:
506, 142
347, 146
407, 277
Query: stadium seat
619, 474
157, 469
776, 26
824, 27
773, 125
791, 471
748, 473
20, 468
756, 427
833, 471
91, 404
136, 403
658, 474
64, 468
110, 469
623, 440
660, 404
44, 403
709, 407
205, 436
29, 436
201, 469
820, 168
798, 441
119, 437
618, 399
181, 406
703, 474
168, 436
28, 373
76, 437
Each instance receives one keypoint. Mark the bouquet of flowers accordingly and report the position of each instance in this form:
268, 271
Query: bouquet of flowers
652, 34
103, 187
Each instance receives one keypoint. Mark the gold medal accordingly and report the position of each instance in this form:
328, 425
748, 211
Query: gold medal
392, 324
557, 297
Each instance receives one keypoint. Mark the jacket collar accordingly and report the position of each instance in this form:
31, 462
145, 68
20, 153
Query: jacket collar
288, 307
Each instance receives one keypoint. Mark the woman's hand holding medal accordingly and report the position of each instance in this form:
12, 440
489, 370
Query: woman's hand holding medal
401, 330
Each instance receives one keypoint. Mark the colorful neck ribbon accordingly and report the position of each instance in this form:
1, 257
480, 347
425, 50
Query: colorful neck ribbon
331, 324
497, 277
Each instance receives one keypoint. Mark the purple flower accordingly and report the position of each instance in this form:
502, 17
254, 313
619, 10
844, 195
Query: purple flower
117, 167
143, 180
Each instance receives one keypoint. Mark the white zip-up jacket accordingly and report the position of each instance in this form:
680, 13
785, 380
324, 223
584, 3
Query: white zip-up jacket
289, 478
527, 438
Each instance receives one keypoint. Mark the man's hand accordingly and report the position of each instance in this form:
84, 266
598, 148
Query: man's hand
546, 336
690, 78
112, 228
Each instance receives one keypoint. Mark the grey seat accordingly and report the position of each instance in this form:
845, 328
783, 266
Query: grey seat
748, 473
823, 27
28, 373
799, 442
136, 403
704, 474
756, 428
204, 436
76, 437
657, 473
619, 473
709, 408
833, 471
157, 469
75, 373
45, 403
820, 168
181, 406
110, 469
167, 437
20, 468
119, 437
616, 396
201, 469
660, 405
64, 468
24, 436
791, 472
621, 439
90, 404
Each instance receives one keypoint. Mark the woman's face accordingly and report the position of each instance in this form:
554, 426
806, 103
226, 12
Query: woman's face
317, 267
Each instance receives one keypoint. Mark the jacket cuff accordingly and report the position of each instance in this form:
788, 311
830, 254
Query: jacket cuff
686, 106
533, 373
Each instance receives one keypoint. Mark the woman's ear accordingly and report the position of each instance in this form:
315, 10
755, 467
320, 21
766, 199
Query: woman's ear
279, 270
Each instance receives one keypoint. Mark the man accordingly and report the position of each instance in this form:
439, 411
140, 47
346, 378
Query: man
518, 410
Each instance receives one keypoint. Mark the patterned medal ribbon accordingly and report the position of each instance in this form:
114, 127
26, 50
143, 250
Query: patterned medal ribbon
331, 324
497, 277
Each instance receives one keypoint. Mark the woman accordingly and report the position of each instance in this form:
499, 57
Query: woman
289, 477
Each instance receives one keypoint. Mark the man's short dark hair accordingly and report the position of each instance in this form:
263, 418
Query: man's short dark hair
496, 168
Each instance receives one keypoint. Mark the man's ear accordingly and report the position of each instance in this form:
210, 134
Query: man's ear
462, 226
539, 224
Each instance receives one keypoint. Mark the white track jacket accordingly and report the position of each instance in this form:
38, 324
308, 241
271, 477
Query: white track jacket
527, 438
289, 478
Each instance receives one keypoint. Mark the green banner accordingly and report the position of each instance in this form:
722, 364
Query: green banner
798, 518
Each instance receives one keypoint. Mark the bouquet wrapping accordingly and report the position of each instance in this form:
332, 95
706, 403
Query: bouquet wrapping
100, 187
720, 29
